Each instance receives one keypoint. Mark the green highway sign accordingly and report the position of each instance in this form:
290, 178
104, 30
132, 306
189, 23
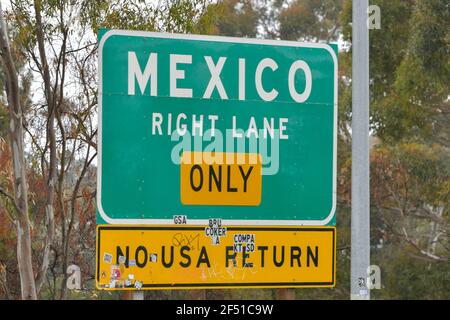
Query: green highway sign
215, 127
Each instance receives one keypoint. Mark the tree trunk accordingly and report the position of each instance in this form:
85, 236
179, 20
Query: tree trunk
27, 283
51, 138
285, 294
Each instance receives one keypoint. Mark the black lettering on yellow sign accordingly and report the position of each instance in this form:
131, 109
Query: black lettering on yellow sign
215, 231
277, 256
141, 262
197, 177
278, 259
216, 178
202, 257
167, 259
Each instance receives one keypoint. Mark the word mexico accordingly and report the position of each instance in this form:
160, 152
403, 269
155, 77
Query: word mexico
177, 73
183, 256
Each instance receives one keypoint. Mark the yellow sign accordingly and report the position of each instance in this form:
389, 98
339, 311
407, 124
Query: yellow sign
218, 178
137, 257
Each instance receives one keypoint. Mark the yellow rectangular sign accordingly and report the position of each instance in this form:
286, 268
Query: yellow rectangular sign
138, 257
219, 178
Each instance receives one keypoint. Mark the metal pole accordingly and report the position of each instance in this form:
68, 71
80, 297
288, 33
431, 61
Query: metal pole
360, 224
138, 295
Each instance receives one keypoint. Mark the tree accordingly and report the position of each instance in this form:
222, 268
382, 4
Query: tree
411, 194
42, 119
311, 20
58, 39
409, 70
20, 197
238, 18
421, 87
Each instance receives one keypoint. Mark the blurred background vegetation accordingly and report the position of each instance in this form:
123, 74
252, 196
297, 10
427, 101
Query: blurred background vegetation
410, 132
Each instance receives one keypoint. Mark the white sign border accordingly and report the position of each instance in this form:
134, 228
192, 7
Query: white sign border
129, 33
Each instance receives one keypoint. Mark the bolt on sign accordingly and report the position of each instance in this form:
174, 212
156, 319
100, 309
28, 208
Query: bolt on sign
216, 133
173, 257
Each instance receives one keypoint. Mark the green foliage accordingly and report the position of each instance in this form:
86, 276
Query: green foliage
409, 69
238, 18
311, 20
180, 16
404, 277
208, 20
119, 14
423, 77
411, 198
430, 37
413, 174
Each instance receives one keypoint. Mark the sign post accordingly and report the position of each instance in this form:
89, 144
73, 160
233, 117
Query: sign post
215, 133
360, 223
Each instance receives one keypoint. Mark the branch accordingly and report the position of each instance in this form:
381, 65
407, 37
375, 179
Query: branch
50, 97
420, 250
11, 198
